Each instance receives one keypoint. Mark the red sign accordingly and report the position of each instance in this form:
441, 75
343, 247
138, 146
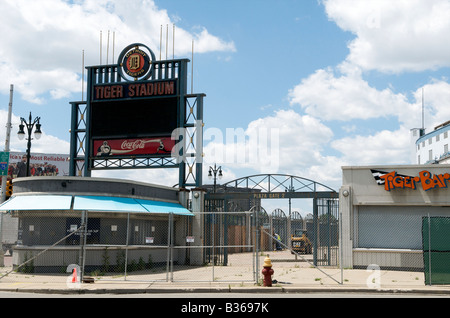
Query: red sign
143, 146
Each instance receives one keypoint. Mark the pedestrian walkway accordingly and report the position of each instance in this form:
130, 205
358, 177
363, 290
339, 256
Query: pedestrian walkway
288, 277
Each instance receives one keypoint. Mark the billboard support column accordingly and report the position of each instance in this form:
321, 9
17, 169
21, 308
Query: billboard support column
199, 143
198, 208
77, 139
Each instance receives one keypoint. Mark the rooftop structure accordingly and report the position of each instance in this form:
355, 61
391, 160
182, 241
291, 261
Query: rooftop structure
431, 148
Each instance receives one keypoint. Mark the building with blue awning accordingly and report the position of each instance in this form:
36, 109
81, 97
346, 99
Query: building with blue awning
118, 214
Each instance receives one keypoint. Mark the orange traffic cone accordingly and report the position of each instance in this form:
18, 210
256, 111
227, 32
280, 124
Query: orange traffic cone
74, 276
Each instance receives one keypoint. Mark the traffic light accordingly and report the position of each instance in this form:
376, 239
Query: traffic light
9, 189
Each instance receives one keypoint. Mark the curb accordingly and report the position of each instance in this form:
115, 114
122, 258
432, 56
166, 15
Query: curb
241, 290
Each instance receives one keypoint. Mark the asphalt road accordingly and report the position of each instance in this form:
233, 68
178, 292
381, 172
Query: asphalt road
214, 304
241, 296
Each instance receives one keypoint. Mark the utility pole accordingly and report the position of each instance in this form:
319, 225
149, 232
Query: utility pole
4, 178
7, 141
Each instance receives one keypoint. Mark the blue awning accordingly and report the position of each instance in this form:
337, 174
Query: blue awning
164, 207
107, 204
91, 203
37, 202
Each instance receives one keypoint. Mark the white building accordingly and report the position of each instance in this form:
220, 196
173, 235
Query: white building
383, 210
432, 147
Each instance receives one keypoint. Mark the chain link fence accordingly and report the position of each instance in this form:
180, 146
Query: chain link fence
220, 246
212, 247
436, 250
390, 238
296, 244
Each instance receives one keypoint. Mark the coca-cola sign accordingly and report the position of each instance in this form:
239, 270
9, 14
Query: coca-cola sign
142, 146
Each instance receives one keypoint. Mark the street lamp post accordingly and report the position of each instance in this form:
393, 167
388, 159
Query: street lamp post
290, 189
213, 171
37, 133
216, 172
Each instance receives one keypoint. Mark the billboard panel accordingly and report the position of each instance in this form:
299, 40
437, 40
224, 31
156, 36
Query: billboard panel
145, 146
135, 111
131, 111
40, 164
137, 118
131, 90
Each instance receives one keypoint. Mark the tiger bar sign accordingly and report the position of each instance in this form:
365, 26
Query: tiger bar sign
425, 179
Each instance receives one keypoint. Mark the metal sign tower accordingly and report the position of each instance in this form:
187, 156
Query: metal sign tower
137, 115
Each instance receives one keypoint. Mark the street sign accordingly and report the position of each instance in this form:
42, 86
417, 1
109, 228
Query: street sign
4, 160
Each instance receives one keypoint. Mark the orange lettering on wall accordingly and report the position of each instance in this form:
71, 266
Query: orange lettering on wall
428, 181
388, 180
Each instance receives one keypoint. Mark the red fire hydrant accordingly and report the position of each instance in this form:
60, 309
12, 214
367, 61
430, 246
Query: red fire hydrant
267, 272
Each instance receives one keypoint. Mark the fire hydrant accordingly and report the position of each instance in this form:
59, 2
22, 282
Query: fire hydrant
267, 272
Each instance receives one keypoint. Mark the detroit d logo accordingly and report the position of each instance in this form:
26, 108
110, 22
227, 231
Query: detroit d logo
135, 61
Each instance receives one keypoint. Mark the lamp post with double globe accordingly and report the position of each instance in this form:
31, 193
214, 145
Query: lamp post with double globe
213, 173
29, 125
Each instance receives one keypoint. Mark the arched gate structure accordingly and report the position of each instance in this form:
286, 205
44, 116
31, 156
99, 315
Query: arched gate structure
323, 227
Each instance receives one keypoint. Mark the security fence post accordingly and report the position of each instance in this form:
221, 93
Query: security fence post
315, 230
169, 259
429, 248
126, 246
256, 246
83, 237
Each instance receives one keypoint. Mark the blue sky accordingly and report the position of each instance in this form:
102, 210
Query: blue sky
337, 82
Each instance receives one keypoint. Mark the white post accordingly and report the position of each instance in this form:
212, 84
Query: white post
7, 141
198, 199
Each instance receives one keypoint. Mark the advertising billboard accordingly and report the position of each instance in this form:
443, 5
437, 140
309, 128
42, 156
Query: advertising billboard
143, 146
40, 165
135, 117
135, 113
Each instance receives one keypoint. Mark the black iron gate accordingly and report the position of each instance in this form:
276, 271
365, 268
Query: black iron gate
322, 228
325, 232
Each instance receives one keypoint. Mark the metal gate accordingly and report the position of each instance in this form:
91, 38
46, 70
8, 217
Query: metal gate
229, 248
322, 227
326, 232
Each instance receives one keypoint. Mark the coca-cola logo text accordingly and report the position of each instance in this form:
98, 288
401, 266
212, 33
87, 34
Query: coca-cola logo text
132, 145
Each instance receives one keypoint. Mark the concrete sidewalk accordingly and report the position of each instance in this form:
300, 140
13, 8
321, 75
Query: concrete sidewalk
309, 281
237, 277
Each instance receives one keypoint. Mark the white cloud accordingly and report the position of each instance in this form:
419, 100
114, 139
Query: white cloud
436, 102
326, 171
391, 36
165, 177
394, 36
283, 141
46, 144
384, 147
49, 144
32, 84
42, 41
346, 97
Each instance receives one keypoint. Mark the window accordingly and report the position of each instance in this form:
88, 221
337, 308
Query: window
430, 141
430, 154
445, 148
446, 134
437, 138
